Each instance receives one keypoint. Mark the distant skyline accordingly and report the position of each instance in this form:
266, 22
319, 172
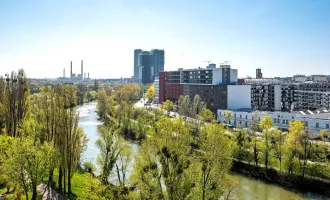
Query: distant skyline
281, 37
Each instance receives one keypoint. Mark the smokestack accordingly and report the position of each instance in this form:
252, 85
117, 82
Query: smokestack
88, 75
64, 73
84, 75
82, 69
71, 71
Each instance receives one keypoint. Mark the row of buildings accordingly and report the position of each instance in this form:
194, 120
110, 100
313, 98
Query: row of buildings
148, 64
220, 89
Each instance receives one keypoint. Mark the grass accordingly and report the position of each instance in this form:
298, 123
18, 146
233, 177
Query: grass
78, 183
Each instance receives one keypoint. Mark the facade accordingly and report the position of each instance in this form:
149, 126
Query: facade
146, 73
136, 66
156, 84
258, 73
169, 86
289, 97
299, 78
215, 76
314, 121
157, 60
319, 78
312, 96
220, 96
266, 97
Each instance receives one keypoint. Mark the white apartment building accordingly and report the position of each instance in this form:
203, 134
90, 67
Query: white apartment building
314, 120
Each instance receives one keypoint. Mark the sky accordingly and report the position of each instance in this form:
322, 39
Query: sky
282, 37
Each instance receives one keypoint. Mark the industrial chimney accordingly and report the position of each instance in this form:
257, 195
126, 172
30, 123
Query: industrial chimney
82, 69
64, 73
71, 71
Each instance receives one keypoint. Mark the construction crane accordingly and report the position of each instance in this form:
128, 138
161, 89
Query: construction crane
207, 61
226, 62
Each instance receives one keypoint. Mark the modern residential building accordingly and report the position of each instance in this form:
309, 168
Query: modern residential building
299, 78
312, 96
314, 120
319, 78
215, 86
213, 76
146, 72
156, 84
169, 86
220, 96
266, 97
157, 60
136, 65
258, 73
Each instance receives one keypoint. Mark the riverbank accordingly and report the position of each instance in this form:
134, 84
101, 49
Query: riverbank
294, 183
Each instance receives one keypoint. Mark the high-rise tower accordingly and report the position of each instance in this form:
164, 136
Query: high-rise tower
145, 74
157, 61
258, 73
136, 66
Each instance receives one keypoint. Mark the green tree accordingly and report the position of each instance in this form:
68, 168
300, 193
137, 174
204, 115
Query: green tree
254, 126
293, 145
215, 162
207, 115
265, 124
184, 103
241, 150
163, 160
167, 105
197, 106
27, 162
109, 151
124, 158
14, 101
227, 116
278, 145
150, 95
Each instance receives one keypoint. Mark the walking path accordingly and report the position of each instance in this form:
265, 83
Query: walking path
49, 194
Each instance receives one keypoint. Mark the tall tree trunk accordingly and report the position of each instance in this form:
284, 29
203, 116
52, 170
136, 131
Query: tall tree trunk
60, 176
34, 192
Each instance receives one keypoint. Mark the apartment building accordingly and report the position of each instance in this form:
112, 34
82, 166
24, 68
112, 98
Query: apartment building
266, 97
313, 96
215, 86
314, 121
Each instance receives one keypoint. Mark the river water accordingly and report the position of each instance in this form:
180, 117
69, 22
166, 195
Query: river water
247, 188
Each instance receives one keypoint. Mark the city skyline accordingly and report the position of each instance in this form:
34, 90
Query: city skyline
280, 37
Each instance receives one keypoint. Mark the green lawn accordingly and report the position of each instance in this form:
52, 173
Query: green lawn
79, 181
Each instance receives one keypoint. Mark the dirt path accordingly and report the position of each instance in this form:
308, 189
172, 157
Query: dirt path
49, 194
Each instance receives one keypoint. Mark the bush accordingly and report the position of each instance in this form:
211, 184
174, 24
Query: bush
89, 167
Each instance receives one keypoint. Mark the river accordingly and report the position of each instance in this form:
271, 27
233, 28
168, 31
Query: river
247, 188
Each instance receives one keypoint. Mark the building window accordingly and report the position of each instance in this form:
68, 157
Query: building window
317, 125
292, 117
234, 115
240, 116
246, 125
327, 126
287, 121
245, 116
283, 121
306, 124
278, 116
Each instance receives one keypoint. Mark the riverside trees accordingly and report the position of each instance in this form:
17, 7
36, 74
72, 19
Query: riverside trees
44, 132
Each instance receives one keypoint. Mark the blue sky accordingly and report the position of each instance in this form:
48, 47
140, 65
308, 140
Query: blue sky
283, 37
